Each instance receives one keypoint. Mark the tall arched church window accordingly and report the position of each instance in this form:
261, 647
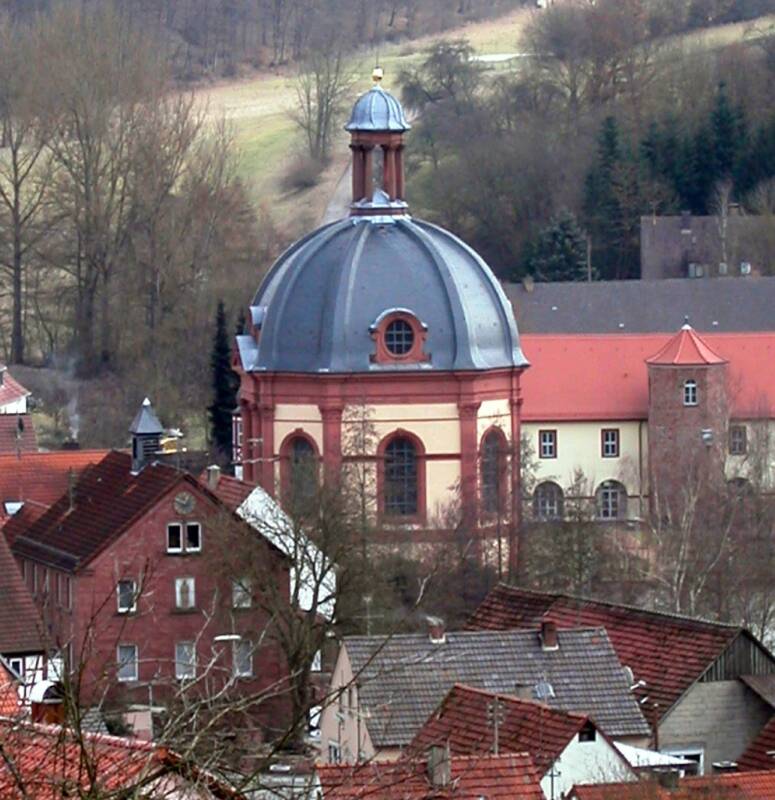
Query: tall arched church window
493, 472
400, 490
299, 467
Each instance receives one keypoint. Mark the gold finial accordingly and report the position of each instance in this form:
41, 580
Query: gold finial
377, 74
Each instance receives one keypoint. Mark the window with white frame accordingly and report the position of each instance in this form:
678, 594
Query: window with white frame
548, 501
547, 444
185, 660
690, 393
126, 596
334, 753
65, 591
17, 667
611, 500
126, 658
243, 659
610, 443
185, 593
241, 593
184, 537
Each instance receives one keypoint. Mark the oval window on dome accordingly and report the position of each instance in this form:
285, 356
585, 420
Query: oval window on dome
399, 337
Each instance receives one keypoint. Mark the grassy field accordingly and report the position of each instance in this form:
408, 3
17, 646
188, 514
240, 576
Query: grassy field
257, 111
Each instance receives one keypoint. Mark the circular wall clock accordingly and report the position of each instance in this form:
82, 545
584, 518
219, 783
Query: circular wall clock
184, 503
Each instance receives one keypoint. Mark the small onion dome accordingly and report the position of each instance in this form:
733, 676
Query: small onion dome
321, 303
377, 110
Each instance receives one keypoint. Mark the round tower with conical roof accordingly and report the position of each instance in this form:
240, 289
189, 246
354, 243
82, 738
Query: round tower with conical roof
385, 341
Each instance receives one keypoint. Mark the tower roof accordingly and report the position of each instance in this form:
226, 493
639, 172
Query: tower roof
145, 421
686, 348
377, 110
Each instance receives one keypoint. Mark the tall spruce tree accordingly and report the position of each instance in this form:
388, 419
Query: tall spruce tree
225, 386
559, 252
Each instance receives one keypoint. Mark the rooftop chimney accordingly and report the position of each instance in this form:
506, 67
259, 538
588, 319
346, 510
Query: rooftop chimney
523, 691
439, 767
146, 433
549, 640
436, 630
213, 476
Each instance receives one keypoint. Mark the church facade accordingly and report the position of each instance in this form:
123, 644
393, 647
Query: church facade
383, 344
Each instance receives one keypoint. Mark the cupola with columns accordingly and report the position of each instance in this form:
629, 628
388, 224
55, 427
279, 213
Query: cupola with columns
382, 318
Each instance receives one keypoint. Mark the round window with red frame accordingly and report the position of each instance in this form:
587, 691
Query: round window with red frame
399, 337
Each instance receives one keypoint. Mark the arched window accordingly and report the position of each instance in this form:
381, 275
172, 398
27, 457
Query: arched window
299, 467
690, 393
493, 472
611, 500
548, 501
400, 489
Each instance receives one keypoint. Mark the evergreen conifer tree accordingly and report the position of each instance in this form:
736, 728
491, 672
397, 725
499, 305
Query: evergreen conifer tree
225, 386
559, 253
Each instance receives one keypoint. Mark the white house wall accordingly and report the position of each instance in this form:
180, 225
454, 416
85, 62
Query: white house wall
585, 762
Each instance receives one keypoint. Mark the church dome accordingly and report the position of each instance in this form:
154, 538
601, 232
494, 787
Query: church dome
377, 110
379, 293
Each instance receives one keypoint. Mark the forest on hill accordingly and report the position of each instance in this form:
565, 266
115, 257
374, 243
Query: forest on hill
202, 38
610, 115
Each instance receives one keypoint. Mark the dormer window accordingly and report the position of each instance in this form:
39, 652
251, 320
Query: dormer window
399, 337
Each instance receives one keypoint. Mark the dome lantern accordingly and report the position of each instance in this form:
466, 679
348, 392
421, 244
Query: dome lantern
377, 125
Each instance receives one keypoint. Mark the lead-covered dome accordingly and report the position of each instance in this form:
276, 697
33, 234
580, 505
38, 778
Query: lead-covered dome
377, 110
376, 293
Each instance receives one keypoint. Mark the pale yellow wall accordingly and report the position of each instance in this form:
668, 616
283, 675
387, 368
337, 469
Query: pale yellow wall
344, 723
758, 464
578, 448
494, 412
288, 418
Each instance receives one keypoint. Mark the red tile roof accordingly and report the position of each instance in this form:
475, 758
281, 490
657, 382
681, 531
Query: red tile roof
667, 651
40, 479
230, 490
20, 625
107, 499
10, 389
727, 786
462, 722
760, 754
45, 762
9, 694
686, 348
618, 362
512, 776
17, 434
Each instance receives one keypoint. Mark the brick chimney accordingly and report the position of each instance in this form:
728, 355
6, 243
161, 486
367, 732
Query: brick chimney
439, 767
436, 630
548, 634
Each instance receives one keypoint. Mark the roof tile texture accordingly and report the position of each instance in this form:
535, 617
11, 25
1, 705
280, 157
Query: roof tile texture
402, 680
464, 722
686, 348
14, 439
20, 625
10, 389
107, 498
668, 652
493, 777
729, 786
760, 754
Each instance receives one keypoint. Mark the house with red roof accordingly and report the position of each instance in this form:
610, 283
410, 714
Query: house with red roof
566, 748
17, 432
635, 414
504, 776
22, 648
129, 572
33, 481
693, 678
760, 753
48, 762
725, 786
